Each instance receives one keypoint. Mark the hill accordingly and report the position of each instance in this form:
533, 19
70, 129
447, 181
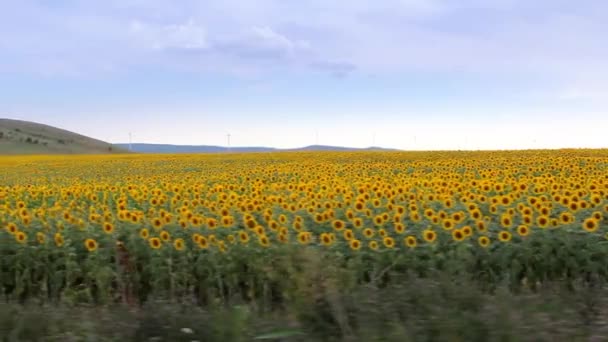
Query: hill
163, 148
24, 137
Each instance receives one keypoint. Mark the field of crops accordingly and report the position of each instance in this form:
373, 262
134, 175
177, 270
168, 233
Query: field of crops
304, 230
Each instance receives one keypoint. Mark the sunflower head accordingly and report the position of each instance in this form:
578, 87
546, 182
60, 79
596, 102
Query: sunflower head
483, 241
179, 244
20, 237
91, 245
155, 243
410, 241
354, 244
429, 236
590, 225
504, 236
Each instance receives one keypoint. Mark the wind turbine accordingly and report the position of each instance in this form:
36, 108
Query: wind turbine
228, 141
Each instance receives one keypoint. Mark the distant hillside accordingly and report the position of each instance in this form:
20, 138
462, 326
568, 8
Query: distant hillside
339, 148
24, 137
161, 148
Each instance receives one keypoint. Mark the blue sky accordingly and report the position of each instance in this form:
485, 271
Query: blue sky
411, 74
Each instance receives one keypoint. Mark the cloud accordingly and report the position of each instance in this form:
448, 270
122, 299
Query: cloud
261, 42
187, 36
556, 37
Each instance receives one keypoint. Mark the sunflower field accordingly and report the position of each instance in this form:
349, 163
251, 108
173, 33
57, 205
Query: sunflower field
314, 234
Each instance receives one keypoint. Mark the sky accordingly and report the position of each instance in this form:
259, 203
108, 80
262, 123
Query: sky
407, 74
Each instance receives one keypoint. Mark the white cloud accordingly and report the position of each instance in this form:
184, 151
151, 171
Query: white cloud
261, 42
393, 36
187, 36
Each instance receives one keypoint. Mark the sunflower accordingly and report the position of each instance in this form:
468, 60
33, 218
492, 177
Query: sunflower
573, 206
134, 219
458, 217
504, 236
429, 235
448, 224
368, 233
108, 228
326, 239
379, 220
26, 220
221, 246
12, 228
597, 215
263, 241
458, 235
212, 223
338, 225
298, 226
410, 241
348, 235
21, 237
506, 221
179, 244
483, 241
399, 228
596, 199
165, 236
373, 245
40, 237
354, 244
590, 225
90, 244
543, 221
481, 226
157, 223
155, 243
358, 222
243, 237
59, 241
273, 225
566, 217
388, 242
203, 243
467, 231
259, 230
283, 238
304, 238
359, 206
523, 230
